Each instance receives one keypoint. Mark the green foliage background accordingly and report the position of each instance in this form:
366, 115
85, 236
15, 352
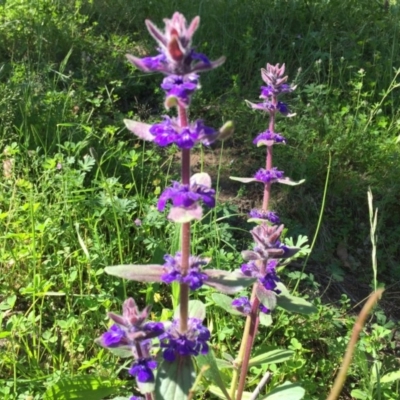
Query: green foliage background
75, 181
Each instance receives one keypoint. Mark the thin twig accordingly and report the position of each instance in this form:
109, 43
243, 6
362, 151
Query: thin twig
260, 386
358, 326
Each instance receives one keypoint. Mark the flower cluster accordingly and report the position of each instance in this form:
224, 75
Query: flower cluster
268, 176
173, 267
131, 331
265, 271
176, 56
267, 138
190, 343
265, 215
169, 131
274, 77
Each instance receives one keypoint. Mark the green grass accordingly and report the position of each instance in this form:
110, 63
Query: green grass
74, 181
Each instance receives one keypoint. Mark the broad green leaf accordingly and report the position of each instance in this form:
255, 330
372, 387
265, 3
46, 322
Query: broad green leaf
223, 364
227, 282
82, 387
295, 304
175, 379
141, 273
266, 297
4, 334
196, 310
212, 373
390, 377
217, 392
225, 302
123, 352
271, 357
287, 391
359, 394
265, 319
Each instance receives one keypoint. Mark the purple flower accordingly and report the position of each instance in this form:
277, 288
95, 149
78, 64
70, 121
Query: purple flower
181, 87
191, 343
176, 54
135, 398
250, 269
131, 327
169, 131
282, 108
270, 278
242, 304
270, 216
173, 267
186, 196
268, 136
264, 309
113, 337
267, 176
142, 369
138, 222
154, 63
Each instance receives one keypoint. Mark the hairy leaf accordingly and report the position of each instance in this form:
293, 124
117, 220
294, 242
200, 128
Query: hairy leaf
271, 357
225, 302
133, 272
82, 387
175, 379
287, 391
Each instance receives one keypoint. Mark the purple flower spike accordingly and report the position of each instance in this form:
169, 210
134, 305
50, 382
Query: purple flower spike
176, 54
136, 398
192, 343
194, 278
268, 176
265, 215
142, 370
180, 87
242, 304
269, 138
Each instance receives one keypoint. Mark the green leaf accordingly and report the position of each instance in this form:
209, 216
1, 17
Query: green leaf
287, 391
265, 319
271, 357
175, 379
227, 282
225, 302
82, 387
196, 310
295, 304
212, 373
266, 297
359, 394
123, 352
141, 273
390, 377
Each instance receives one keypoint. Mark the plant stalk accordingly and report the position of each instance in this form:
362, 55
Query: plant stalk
185, 244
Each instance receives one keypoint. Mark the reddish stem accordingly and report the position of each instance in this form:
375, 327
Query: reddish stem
185, 241
254, 315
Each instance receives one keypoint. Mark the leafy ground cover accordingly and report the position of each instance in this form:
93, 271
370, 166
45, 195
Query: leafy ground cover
78, 193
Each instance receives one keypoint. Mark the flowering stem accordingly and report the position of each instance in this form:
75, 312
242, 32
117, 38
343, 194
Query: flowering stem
185, 244
253, 319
